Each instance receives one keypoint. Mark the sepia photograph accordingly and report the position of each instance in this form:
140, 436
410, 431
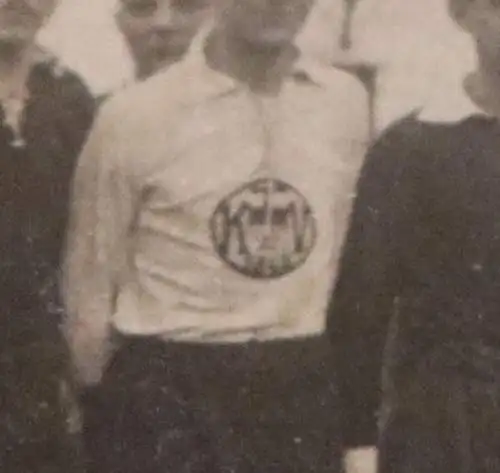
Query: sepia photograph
249, 236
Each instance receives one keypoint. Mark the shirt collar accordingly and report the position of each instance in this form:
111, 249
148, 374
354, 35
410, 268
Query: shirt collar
303, 69
450, 104
24, 70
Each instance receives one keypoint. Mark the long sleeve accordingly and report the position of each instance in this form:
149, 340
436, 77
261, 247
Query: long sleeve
77, 112
73, 121
368, 283
102, 212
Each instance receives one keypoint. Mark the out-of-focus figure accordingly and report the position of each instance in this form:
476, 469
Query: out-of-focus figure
159, 32
415, 314
361, 68
346, 38
414, 48
45, 112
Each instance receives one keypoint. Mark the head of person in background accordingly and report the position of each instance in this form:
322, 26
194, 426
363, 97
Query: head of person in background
20, 21
481, 19
159, 32
263, 24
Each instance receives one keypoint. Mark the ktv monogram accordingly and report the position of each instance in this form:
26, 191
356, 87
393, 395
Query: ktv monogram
264, 229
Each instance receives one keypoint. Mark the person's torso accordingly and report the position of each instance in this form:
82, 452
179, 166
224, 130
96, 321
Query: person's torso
241, 219
450, 264
36, 163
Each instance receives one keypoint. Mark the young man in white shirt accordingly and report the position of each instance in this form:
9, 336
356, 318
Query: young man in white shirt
209, 210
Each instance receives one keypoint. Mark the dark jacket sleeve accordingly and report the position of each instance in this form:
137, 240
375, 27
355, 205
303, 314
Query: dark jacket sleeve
78, 108
74, 111
369, 279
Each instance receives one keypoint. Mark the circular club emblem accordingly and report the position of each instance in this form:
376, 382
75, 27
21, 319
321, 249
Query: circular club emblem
264, 229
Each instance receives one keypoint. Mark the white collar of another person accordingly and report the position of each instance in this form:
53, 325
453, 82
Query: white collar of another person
450, 103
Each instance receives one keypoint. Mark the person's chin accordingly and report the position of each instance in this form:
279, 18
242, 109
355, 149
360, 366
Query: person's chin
157, 64
269, 40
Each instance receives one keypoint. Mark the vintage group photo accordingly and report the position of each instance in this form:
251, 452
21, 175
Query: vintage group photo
249, 236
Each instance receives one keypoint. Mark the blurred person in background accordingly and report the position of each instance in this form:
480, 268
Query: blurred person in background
45, 112
209, 208
346, 34
345, 58
416, 310
159, 33
414, 48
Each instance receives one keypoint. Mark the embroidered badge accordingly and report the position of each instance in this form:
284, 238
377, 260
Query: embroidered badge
264, 229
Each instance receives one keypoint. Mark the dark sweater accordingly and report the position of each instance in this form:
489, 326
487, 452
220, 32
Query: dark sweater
34, 186
35, 179
422, 257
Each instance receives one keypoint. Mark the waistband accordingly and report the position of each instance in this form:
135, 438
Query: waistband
159, 341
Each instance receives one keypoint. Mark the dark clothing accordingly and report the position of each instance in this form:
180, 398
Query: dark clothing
33, 433
420, 275
35, 176
262, 407
438, 420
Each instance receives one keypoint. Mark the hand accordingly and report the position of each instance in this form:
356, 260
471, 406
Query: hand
90, 358
68, 397
361, 460
89, 374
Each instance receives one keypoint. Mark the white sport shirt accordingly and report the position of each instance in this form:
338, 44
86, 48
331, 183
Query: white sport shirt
207, 213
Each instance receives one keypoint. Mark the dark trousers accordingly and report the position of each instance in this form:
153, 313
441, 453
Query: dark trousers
33, 360
186, 408
438, 420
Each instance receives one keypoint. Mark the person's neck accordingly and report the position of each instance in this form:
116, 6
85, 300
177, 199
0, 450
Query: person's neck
145, 69
483, 85
261, 69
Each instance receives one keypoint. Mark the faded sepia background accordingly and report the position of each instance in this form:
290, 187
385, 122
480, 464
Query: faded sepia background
413, 44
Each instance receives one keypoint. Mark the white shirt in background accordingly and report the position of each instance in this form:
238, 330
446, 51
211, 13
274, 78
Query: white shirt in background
417, 49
